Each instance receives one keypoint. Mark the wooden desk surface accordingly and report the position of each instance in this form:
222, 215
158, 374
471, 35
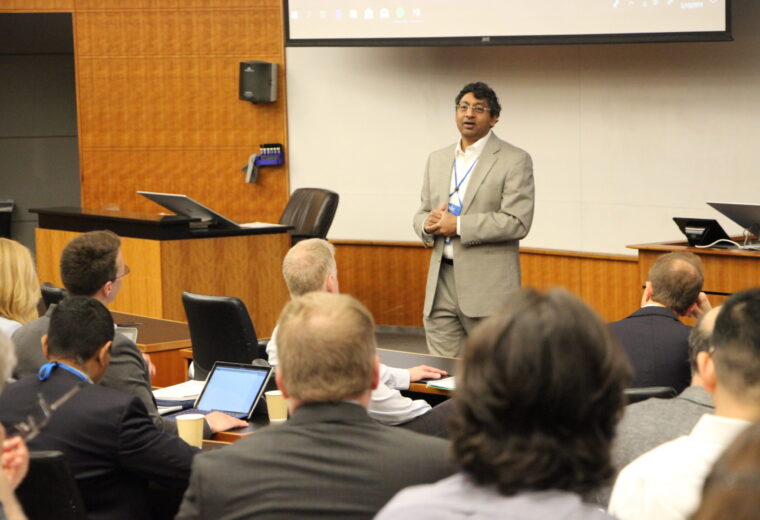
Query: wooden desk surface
154, 334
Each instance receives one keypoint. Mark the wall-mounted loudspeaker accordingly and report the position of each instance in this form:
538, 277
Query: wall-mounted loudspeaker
258, 81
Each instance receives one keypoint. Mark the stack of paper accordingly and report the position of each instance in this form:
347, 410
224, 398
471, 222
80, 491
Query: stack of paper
177, 397
447, 383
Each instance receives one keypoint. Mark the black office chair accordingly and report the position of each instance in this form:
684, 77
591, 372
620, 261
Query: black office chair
634, 395
52, 294
220, 330
49, 489
310, 211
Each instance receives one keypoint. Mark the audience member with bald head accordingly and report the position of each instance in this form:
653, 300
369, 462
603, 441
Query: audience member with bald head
665, 482
330, 459
647, 424
653, 337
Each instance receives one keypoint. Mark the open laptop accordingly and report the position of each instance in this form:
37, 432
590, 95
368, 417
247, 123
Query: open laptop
232, 388
187, 207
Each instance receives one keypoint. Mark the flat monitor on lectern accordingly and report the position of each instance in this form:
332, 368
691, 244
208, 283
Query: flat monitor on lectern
746, 215
187, 207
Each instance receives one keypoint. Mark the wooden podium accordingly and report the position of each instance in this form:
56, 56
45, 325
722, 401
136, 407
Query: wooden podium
726, 270
167, 255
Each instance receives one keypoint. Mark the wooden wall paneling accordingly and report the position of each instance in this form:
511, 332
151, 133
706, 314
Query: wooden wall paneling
247, 267
388, 279
141, 289
171, 368
177, 5
48, 246
159, 108
542, 270
215, 177
611, 286
41, 6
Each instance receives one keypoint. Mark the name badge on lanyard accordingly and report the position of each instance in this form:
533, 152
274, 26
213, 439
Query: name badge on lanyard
454, 208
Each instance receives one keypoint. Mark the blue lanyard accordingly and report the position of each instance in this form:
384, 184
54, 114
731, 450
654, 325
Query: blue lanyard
47, 368
457, 182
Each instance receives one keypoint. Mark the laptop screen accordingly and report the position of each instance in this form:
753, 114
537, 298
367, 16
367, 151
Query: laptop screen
233, 387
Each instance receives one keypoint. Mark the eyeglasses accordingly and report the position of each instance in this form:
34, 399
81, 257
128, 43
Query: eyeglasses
122, 275
31, 427
478, 109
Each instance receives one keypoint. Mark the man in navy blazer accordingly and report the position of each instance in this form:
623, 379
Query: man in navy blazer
656, 341
111, 444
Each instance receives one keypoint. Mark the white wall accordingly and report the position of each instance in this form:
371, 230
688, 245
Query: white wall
623, 137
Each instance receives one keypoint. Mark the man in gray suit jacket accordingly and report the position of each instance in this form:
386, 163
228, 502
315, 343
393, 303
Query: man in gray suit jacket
476, 205
330, 459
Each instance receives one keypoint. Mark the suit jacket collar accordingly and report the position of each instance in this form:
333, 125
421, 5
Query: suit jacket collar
654, 310
485, 163
340, 412
698, 395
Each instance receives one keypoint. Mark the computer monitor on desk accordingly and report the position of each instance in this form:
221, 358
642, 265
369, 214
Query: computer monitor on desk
187, 207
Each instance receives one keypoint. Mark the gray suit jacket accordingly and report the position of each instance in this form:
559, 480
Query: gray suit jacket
497, 211
126, 372
330, 460
650, 423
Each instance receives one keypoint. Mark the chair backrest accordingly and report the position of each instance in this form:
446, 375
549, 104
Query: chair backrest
310, 211
49, 489
643, 393
52, 294
220, 330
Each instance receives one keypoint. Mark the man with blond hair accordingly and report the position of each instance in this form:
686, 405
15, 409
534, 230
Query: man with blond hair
330, 459
310, 266
653, 337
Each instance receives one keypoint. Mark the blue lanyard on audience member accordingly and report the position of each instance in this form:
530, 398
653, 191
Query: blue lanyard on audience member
457, 182
47, 369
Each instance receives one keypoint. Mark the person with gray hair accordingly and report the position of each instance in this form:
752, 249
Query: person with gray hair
310, 266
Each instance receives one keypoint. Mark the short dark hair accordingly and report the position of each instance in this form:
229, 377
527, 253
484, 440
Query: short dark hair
538, 397
89, 261
481, 91
79, 326
736, 338
677, 280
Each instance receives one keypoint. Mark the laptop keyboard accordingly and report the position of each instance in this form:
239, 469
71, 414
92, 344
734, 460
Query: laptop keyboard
237, 415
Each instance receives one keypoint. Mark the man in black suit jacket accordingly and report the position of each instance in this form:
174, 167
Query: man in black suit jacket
656, 341
112, 445
330, 459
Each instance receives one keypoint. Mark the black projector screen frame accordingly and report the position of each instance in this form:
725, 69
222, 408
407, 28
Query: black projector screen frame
337, 12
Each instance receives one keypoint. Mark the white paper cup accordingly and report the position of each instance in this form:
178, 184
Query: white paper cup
276, 406
190, 428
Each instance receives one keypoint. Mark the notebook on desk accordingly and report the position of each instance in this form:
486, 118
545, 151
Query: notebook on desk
233, 389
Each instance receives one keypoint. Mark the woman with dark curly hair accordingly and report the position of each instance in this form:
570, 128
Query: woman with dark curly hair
539, 394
